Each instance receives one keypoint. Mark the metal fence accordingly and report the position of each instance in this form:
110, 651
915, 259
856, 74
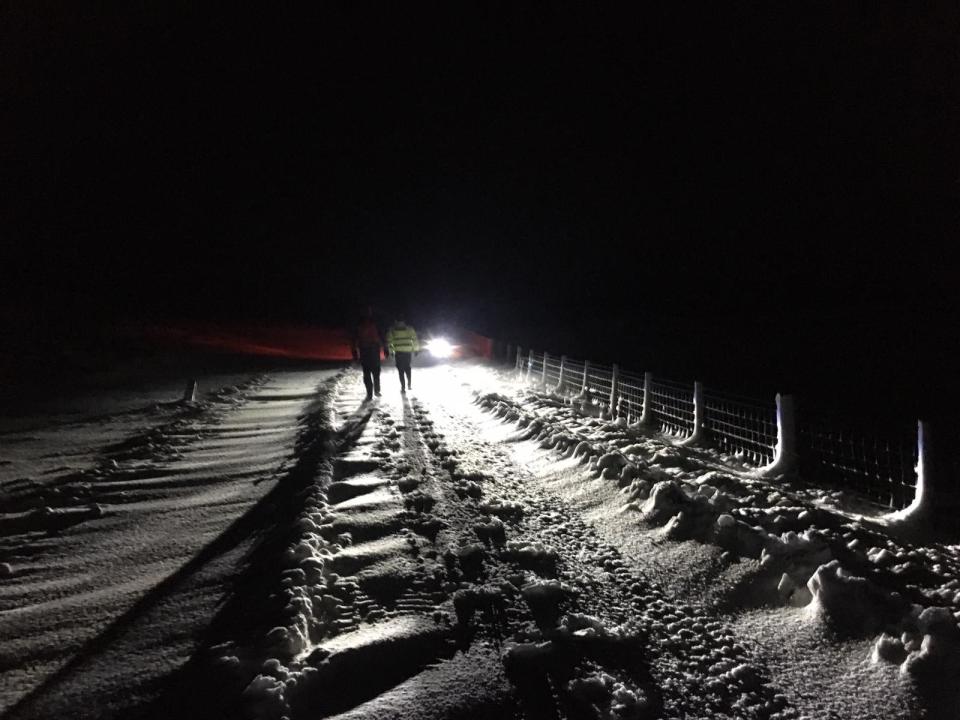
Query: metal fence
671, 405
535, 365
882, 470
552, 374
630, 403
599, 381
740, 425
573, 375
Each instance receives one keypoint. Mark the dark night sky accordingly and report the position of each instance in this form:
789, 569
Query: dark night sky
757, 175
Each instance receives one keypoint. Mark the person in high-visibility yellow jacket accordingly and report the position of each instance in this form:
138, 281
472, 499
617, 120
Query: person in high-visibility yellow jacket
403, 343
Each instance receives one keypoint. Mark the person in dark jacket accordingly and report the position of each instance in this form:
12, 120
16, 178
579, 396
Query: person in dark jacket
403, 343
367, 344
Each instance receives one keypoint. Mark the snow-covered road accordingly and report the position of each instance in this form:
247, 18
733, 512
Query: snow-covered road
468, 549
121, 533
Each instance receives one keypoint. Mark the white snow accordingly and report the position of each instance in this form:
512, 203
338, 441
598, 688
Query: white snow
291, 551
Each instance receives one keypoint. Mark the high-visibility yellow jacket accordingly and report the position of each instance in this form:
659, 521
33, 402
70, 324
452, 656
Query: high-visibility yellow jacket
402, 338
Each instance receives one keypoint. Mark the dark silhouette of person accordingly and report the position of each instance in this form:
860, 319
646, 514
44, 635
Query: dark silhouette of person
403, 343
367, 344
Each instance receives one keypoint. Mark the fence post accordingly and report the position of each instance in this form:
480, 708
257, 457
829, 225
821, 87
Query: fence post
614, 389
647, 416
543, 374
518, 365
698, 415
586, 370
926, 474
934, 499
563, 371
529, 364
785, 454
190, 393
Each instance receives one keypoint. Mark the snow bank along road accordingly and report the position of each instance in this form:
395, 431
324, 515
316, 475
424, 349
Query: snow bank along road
469, 549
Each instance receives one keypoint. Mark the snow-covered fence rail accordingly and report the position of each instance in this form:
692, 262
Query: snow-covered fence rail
671, 406
740, 425
882, 470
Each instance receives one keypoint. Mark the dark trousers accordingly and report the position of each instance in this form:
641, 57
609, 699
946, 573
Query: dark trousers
403, 367
371, 379
370, 362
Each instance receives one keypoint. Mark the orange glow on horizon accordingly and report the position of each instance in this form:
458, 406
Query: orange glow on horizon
286, 341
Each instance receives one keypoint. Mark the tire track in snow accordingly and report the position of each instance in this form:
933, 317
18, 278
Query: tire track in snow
451, 576
410, 558
873, 689
697, 666
353, 610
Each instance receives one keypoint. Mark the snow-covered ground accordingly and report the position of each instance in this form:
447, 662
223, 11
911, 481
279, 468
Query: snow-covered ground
469, 549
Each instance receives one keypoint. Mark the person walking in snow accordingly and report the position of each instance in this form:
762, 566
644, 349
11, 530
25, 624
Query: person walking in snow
403, 343
367, 343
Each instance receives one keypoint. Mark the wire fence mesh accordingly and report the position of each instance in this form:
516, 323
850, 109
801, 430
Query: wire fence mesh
671, 404
630, 392
741, 426
535, 365
552, 374
880, 469
599, 381
572, 375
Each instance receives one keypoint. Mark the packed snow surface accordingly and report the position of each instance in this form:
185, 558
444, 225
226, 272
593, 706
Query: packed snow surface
280, 548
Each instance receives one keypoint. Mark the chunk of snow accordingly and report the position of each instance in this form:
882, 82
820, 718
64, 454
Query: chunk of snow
677, 527
468, 600
543, 590
888, 649
638, 490
852, 604
531, 553
930, 657
491, 530
726, 521
786, 586
613, 460
503, 509
880, 556
519, 655
593, 688
938, 621
666, 497
746, 676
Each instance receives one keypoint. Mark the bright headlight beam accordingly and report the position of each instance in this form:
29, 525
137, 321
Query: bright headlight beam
440, 348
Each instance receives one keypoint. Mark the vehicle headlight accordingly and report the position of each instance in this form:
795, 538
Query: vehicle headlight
440, 348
